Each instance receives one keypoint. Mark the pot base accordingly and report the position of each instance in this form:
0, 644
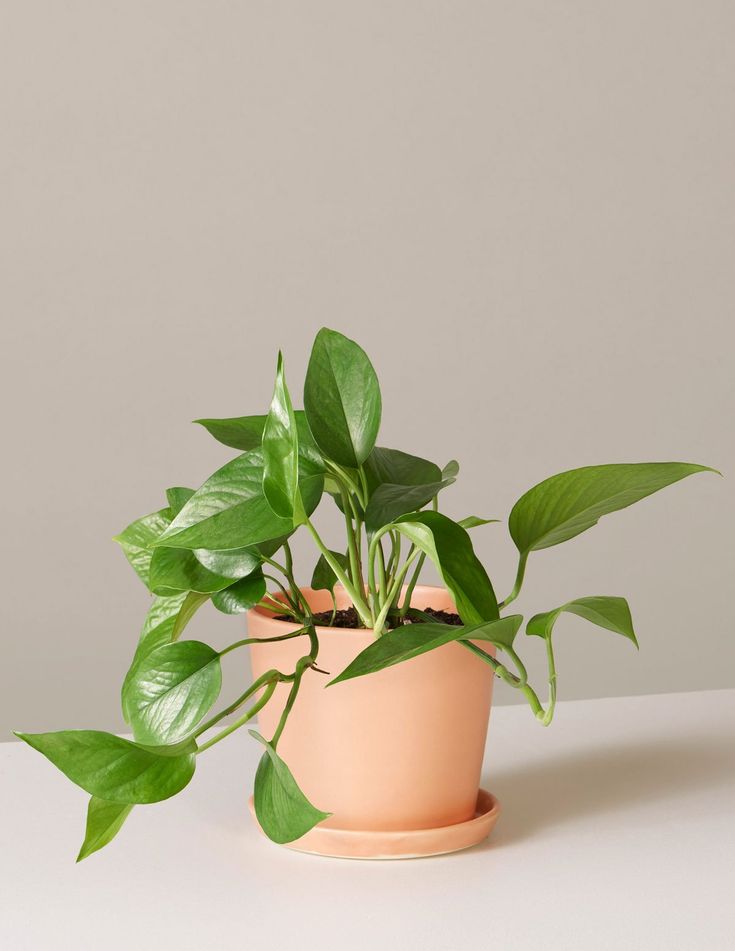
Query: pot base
417, 843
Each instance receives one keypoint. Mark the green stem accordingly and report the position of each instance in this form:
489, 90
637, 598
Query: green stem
351, 541
398, 581
261, 640
269, 680
412, 584
357, 598
518, 582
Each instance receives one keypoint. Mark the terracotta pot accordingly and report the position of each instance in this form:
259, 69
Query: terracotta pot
393, 752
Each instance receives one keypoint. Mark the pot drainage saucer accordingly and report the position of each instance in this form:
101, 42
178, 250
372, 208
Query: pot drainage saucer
354, 844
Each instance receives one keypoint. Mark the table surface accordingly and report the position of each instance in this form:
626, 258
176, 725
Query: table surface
617, 832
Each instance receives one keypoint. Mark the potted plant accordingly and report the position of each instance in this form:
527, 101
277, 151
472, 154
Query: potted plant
372, 692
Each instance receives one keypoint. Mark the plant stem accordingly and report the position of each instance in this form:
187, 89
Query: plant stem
261, 640
398, 581
269, 680
357, 599
412, 584
518, 582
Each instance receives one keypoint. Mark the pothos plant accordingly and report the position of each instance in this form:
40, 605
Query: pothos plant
226, 542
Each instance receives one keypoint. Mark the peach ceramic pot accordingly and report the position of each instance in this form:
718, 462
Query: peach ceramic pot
395, 756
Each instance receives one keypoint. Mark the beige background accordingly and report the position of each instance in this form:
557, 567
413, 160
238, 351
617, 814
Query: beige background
524, 211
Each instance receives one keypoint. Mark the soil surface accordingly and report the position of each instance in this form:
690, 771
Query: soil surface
349, 618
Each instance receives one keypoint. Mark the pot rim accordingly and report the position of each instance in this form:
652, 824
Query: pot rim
323, 628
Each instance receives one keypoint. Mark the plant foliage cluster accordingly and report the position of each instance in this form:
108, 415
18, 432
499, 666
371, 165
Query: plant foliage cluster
228, 543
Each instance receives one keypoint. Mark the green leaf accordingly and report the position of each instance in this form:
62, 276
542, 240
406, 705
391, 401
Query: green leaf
164, 623
449, 546
399, 468
567, 504
281, 454
283, 811
411, 640
388, 502
342, 399
104, 821
611, 613
234, 564
169, 690
324, 578
174, 570
450, 470
136, 541
472, 521
238, 432
177, 499
114, 769
242, 595
230, 510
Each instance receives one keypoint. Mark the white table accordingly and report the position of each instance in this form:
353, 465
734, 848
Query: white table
617, 832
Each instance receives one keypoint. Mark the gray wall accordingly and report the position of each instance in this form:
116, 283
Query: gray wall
523, 211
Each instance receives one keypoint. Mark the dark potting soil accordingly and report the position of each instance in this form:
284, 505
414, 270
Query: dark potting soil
349, 618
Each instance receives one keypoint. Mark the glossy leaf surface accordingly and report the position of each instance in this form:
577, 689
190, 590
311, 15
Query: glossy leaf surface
342, 399
177, 498
104, 821
170, 689
412, 640
567, 504
114, 769
399, 468
231, 511
281, 454
173, 570
237, 432
242, 595
449, 546
611, 613
283, 811
472, 521
136, 541
233, 564
388, 502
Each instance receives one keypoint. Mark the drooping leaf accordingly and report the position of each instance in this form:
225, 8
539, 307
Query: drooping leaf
114, 769
472, 521
283, 811
324, 578
164, 624
611, 613
411, 640
449, 546
104, 821
242, 595
136, 541
563, 506
281, 454
230, 510
238, 432
174, 570
388, 502
399, 468
177, 498
168, 692
342, 399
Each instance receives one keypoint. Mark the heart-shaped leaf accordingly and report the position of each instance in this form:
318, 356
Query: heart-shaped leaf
613, 614
411, 640
169, 691
342, 399
136, 541
283, 811
449, 546
173, 570
281, 454
242, 595
114, 769
389, 501
104, 821
567, 504
230, 510
324, 578
394, 467
237, 432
